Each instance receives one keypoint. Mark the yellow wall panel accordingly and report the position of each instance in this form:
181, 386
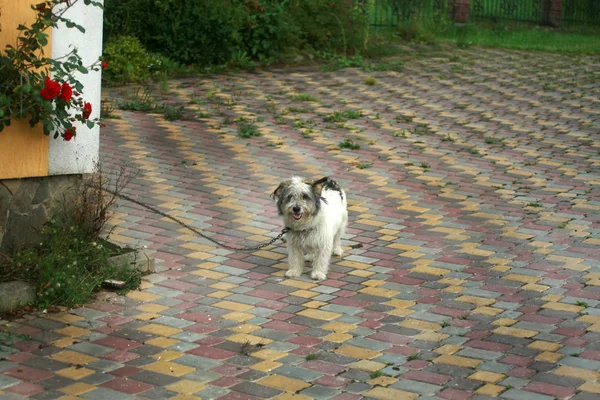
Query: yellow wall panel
23, 150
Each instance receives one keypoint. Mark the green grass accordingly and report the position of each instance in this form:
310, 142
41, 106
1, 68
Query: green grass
580, 41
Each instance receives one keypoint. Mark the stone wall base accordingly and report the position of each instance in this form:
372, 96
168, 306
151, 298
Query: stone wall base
26, 204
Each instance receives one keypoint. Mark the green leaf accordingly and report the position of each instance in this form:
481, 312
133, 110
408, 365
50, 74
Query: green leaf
90, 124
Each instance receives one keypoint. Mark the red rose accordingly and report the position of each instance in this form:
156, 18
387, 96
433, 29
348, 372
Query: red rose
87, 110
70, 133
51, 89
41, 7
104, 64
67, 92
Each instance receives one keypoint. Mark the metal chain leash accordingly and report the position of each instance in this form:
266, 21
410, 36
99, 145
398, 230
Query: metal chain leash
197, 232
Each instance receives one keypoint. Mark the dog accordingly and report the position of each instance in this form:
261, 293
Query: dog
315, 215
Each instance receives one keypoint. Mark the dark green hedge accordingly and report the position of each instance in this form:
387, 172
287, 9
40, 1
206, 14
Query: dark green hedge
214, 32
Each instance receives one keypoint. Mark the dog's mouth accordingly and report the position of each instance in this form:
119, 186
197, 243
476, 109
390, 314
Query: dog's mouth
297, 216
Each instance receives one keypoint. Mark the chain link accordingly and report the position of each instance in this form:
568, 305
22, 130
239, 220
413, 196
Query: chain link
191, 228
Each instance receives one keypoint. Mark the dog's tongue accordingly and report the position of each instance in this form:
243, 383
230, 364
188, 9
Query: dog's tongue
297, 216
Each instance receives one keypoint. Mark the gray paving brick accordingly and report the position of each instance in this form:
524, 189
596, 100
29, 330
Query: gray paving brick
319, 392
515, 394
416, 387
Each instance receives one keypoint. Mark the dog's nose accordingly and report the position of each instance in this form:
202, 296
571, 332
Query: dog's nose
296, 209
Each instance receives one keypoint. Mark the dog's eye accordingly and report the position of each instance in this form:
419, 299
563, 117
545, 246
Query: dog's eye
305, 196
289, 198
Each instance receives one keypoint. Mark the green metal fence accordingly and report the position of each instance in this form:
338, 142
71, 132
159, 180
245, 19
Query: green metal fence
386, 13
576, 12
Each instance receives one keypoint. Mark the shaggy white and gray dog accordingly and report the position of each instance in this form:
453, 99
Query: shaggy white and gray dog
315, 215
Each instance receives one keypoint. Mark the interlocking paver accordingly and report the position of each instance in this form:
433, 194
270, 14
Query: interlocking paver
478, 219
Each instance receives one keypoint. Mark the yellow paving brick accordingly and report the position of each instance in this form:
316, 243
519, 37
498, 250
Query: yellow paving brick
454, 289
430, 336
64, 342
354, 265
169, 368
430, 270
590, 319
448, 349
223, 286
376, 291
373, 283
579, 373
452, 281
142, 296
251, 339
233, 306
65, 318
220, 294
510, 331
77, 388
361, 273
491, 311
457, 361
338, 337
167, 355
75, 373
486, 376
320, 314
563, 307
209, 274
479, 301
72, 331
544, 346
396, 303
504, 322
420, 325
161, 330
298, 284
307, 294
357, 352
152, 308
339, 327
548, 356
267, 354
521, 278
146, 316
535, 287
238, 316
284, 383
590, 387
553, 298
383, 381
401, 312
266, 366
390, 394
71, 357
490, 390
291, 396
186, 386
245, 328
367, 365
314, 304
593, 328
162, 342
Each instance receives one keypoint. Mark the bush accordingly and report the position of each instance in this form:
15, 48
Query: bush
236, 32
130, 62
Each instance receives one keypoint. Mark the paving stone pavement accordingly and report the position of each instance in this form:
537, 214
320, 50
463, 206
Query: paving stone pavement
475, 195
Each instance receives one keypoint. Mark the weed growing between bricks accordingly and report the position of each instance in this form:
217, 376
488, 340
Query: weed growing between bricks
70, 260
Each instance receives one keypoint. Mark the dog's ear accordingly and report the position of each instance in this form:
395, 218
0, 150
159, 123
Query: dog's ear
280, 189
318, 185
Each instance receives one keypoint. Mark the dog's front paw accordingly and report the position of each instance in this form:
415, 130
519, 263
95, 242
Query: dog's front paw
338, 252
318, 276
292, 273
